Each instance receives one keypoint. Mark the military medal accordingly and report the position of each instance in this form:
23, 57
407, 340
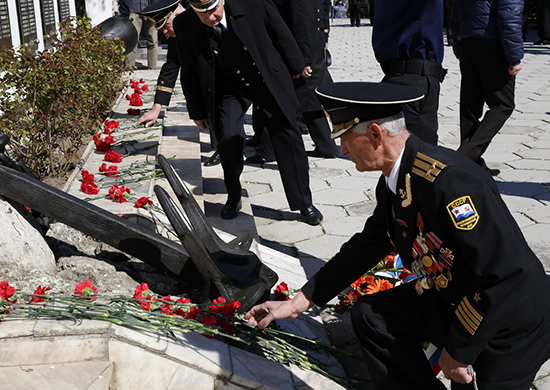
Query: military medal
431, 260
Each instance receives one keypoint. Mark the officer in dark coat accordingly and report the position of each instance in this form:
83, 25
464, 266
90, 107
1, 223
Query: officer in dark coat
481, 294
303, 19
232, 53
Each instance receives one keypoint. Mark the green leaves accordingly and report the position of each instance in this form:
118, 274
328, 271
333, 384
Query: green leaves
52, 101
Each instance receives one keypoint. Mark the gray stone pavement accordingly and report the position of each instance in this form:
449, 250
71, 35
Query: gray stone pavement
346, 196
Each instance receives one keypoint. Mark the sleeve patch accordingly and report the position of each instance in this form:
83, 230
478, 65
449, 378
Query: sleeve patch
469, 317
463, 213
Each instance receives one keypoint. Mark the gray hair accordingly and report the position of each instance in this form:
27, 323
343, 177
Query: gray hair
392, 124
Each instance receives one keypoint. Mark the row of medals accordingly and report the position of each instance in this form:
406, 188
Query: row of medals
432, 263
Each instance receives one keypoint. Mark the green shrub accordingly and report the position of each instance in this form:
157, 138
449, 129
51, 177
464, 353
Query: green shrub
52, 101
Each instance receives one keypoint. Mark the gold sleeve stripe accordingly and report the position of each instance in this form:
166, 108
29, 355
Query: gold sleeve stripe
465, 323
468, 316
164, 89
427, 167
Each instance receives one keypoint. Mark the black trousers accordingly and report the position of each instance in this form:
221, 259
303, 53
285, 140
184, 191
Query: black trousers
420, 116
543, 20
485, 80
355, 13
319, 130
391, 327
286, 138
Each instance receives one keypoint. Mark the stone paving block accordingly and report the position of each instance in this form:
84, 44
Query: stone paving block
306, 380
527, 164
254, 189
331, 212
522, 220
311, 263
345, 226
64, 376
52, 328
151, 340
542, 380
274, 200
540, 143
12, 328
534, 154
522, 175
537, 238
324, 173
208, 355
52, 350
518, 199
290, 231
322, 247
220, 384
259, 373
540, 214
340, 197
353, 183
158, 369
363, 209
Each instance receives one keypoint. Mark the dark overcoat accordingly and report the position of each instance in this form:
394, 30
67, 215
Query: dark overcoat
452, 226
168, 75
301, 18
261, 34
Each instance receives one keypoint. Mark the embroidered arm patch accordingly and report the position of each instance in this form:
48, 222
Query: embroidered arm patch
469, 317
463, 213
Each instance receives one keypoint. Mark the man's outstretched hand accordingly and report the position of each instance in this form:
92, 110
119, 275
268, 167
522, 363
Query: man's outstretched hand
262, 315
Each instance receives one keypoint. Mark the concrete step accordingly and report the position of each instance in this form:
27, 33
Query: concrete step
89, 375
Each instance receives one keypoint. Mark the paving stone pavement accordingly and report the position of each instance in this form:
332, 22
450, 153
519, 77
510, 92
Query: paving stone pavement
346, 196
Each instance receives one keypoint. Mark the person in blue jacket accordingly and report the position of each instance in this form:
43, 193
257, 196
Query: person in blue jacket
407, 39
487, 39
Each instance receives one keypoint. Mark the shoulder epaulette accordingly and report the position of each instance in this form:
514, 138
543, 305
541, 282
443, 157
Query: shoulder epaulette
427, 167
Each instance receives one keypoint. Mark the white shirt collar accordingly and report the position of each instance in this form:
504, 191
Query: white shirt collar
223, 22
391, 181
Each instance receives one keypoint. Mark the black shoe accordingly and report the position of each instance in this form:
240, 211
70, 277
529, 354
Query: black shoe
255, 159
312, 215
493, 172
230, 210
212, 160
316, 153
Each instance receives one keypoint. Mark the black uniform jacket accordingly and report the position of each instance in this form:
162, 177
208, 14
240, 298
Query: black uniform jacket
261, 33
302, 20
453, 226
168, 75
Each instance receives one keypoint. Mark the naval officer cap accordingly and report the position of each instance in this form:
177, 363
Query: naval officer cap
160, 11
203, 5
348, 103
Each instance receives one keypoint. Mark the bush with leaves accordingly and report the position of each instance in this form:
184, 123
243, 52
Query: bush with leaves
51, 101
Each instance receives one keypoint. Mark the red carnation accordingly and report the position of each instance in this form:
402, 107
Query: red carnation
136, 100
118, 193
89, 187
40, 291
112, 156
144, 200
111, 170
145, 88
86, 289
134, 111
281, 292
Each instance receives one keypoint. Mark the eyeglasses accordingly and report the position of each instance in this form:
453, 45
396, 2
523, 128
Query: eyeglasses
160, 24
